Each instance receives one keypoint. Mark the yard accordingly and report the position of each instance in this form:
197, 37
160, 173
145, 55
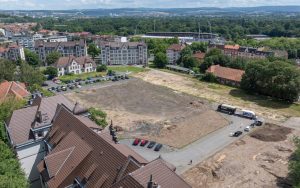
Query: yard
133, 69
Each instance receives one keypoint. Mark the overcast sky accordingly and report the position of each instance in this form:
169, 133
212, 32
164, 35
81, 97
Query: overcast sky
87, 4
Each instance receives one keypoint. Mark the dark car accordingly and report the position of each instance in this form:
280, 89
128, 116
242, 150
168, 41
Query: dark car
126, 77
45, 84
158, 147
258, 123
151, 144
144, 142
136, 141
58, 90
237, 133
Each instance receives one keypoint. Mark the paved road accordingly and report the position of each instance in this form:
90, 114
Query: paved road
199, 150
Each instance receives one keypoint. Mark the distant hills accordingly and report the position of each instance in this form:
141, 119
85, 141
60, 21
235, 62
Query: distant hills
161, 11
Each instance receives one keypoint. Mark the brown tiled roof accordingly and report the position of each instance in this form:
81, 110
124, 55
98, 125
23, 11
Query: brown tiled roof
176, 47
199, 55
163, 174
103, 153
97, 160
66, 61
16, 89
22, 120
20, 124
226, 73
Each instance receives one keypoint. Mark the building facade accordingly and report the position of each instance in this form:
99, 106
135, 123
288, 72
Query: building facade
12, 52
173, 53
75, 65
123, 53
66, 49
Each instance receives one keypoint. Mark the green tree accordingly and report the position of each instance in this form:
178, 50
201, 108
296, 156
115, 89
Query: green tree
101, 68
199, 46
189, 62
7, 70
93, 50
52, 58
160, 60
30, 75
294, 165
98, 116
32, 58
51, 72
276, 79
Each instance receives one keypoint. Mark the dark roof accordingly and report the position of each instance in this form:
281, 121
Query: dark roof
176, 47
97, 160
66, 61
41, 43
121, 44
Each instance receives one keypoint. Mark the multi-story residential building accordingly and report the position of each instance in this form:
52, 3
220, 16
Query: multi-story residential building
12, 52
123, 53
75, 65
243, 52
173, 52
66, 49
28, 126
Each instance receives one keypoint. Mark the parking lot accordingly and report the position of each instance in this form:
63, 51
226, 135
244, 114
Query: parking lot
198, 150
56, 86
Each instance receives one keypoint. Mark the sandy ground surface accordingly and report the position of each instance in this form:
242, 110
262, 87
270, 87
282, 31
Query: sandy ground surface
253, 161
154, 112
219, 94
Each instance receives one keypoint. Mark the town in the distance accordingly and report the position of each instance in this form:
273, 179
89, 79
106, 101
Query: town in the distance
149, 97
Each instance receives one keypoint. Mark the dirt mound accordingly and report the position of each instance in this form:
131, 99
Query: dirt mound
271, 133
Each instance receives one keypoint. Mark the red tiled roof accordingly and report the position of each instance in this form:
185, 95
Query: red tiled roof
176, 47
232, 47
199, 55
226, 73
16, 89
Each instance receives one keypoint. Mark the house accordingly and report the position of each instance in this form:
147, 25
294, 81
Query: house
226, 75
27, 127
15, 89
231, 50
75, 65
66, 49
80, 157
12, 52
199, 56
173, 52
123, 53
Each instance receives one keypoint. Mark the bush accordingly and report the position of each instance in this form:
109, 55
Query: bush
98, 116
209, 77
51, 72
101, 68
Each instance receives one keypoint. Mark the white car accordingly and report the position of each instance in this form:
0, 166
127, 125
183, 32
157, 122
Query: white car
247, 129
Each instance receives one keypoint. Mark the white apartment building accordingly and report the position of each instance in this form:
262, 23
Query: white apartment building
12, 52
123, 53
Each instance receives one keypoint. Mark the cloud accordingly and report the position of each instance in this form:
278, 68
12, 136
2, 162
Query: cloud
83, 4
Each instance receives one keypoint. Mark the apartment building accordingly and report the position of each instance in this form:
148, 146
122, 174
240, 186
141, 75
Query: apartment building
123, 53
173, 52
75, 65
71, 48
12, 52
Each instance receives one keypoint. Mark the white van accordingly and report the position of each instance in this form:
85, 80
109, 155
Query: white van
248, 114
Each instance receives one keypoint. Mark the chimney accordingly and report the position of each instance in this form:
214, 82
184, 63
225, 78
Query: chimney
39, 117
152, 184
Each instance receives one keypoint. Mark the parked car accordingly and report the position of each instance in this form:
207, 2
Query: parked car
158, 147
237, 133
45, 84
126, 77
78, 86
247, 129
72, 87
50, 89
151, 144
144, 142
63, 88
258, 122
136, 141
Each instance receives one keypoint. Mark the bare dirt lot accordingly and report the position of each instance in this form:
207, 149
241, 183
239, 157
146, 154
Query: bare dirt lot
154, 112
249, 162
222, 94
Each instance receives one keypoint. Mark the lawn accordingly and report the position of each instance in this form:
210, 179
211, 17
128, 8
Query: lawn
81, 76
133, 69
